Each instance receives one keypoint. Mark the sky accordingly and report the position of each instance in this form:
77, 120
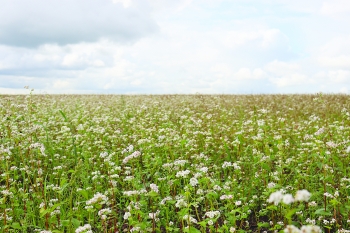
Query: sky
175, 46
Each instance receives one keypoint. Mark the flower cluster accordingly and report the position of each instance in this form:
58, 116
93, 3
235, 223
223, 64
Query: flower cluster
279, 196
84, 229
135, 154
154, 188
97, 199
303, 229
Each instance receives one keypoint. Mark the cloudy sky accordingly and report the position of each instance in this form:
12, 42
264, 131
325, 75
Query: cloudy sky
175, 46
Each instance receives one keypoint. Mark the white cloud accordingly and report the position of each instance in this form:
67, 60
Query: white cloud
221, 70
62, 84
339, 76
13, 91
342, 61
336, 46
280, 68
246, 74
344, 90
55, 57
125, 3
33, 23
335, 8
262, 38
201, 46
295, 79
335, 53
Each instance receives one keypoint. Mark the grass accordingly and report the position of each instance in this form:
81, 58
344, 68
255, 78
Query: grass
174, 163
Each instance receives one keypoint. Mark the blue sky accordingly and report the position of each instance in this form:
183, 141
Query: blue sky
175, 46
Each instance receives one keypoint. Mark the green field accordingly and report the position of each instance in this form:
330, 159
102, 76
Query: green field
174, 163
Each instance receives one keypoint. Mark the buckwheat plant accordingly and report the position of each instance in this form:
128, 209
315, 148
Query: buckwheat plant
174, 163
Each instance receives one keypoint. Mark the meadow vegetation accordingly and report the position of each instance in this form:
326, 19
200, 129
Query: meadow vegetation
174, 163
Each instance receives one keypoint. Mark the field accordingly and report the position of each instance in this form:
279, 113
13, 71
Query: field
175, 163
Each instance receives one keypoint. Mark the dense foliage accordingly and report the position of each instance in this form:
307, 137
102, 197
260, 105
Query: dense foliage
174, 163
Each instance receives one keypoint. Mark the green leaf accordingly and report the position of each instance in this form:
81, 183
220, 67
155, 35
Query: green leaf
2, 200
54, 206
183, 212
64, 116
272, 207
76, 222
153, 194
194, 230
16, 225
71, 171
290, 213
43, 212
202, 223
63, 182
322, 212
65, 223
263, 224
334, 202
84, 193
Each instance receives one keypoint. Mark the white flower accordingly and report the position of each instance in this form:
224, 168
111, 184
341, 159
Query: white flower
303, 229
236, 166
193, 182
320, 131
275, 197
131, 193
226, 164
180, 162
331, 144
328, 195
348, 149
104, 212
310, 221
313, 203
136, 229
42, 205
189, 218
310, 229
133, 155
232, 229
153, 215
238, 203
302, 195
288, 199
291, 229
182, 173
162, 202
224, 197
154, 187
180, 203
5, 192
343, 231
98, 198
212, 214
127, 215
84, 229
199, 192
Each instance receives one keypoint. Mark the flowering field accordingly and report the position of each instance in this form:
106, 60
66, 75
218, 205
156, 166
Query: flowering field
172, 163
